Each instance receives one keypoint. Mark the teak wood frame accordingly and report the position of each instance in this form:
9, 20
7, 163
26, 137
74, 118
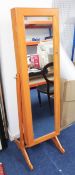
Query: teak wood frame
22, 79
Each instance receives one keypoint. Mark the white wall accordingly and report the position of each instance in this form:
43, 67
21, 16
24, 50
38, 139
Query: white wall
7, 56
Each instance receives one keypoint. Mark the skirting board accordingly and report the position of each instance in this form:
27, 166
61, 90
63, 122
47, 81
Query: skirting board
12, 137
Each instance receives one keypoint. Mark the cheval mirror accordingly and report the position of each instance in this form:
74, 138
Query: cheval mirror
36, 42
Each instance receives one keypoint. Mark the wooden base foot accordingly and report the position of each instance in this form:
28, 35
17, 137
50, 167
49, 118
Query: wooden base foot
21, 146
58, 144
24, 152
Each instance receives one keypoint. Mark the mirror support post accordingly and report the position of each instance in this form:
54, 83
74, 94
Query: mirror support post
21, 143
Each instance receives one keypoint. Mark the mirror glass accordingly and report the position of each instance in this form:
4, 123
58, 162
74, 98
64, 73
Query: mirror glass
39, 44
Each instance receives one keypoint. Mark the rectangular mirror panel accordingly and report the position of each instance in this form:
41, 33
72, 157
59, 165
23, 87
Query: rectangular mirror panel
39, 45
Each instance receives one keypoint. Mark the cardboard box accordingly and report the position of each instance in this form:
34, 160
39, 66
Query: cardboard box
67, 102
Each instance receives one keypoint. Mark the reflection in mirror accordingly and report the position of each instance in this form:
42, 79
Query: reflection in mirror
39, 41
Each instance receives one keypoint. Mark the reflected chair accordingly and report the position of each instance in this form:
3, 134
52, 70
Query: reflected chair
47, 88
